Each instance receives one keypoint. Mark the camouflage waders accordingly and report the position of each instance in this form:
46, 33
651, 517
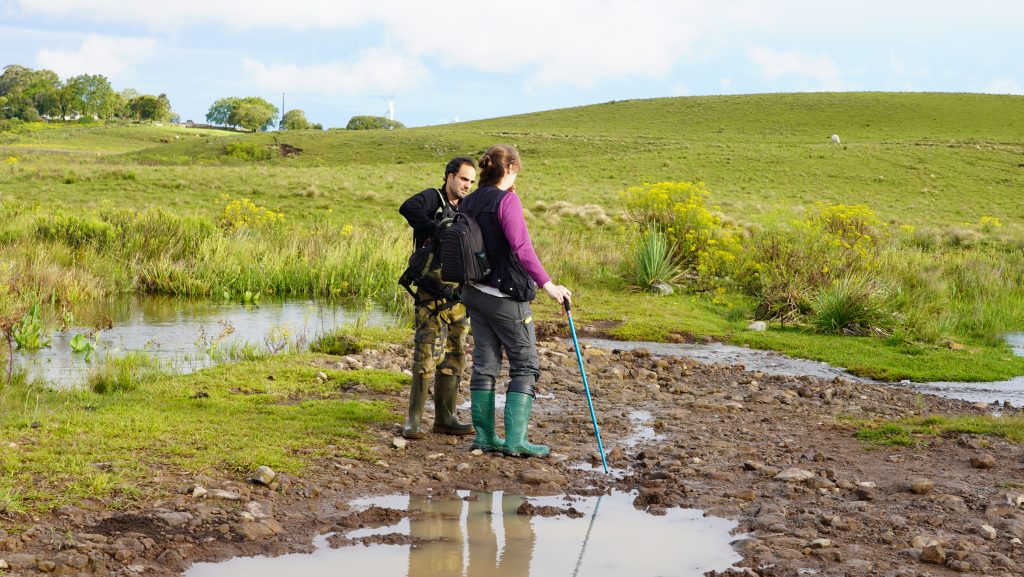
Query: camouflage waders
440, 348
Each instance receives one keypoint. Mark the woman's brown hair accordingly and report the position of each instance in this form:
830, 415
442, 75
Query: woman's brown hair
496, 161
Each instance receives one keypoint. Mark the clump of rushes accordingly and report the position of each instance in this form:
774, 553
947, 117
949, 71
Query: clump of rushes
853, 305
653, 261
125, 373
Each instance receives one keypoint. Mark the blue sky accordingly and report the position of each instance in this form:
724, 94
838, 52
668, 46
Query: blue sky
447, 60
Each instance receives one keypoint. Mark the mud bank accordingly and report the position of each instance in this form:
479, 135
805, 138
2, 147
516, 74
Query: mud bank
765, 451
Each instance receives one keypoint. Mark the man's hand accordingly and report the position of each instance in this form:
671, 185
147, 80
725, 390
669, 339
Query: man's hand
558, 292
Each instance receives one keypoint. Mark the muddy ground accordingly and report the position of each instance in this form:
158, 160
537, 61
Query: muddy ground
765, 451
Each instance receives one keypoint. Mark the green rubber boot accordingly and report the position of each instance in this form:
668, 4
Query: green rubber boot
483, 421
446, 399
517, 420
417, 397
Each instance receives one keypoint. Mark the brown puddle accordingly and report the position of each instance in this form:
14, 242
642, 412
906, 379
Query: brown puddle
479, 534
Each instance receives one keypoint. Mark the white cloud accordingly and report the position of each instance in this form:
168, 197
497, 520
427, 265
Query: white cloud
574, 42
106, 55
775, 65
1004, 85
374, 71
236, 14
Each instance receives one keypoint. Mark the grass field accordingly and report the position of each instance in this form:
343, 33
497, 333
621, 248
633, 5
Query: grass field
87, 212
938, 163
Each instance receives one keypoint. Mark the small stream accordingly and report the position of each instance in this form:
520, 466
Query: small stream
477, 534
186, 335
774, 363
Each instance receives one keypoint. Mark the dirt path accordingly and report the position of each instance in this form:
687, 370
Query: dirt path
710, 437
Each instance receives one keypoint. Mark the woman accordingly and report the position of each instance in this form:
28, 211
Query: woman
499, 309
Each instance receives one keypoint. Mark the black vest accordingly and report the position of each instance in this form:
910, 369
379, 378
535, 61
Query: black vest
507, 273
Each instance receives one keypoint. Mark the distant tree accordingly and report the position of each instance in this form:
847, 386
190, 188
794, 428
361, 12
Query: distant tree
175, 118
253, 116
221, 110
295, 119
123, 108
14, 79
19, 105
165, 107
316, 126
29, 92
251, 113
43, 87
88, 95
372, 123
149, 107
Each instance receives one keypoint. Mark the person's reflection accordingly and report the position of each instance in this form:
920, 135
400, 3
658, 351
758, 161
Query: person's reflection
484, 560
441, 517
439, 524
483, 541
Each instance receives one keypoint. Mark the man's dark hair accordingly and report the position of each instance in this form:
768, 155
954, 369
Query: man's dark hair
455, 164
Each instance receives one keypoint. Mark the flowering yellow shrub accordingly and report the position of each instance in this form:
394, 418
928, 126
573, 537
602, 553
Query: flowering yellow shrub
989, 223
705, 247
795, 261
240, 214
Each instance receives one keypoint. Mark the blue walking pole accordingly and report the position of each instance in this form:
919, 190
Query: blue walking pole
586, 386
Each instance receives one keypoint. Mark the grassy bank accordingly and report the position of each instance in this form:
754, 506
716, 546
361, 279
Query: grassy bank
62, 447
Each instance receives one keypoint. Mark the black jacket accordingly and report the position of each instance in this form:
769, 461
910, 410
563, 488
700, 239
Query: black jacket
423, 211
507, 273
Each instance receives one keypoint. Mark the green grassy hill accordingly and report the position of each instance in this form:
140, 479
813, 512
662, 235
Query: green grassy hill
912, 157
939, 161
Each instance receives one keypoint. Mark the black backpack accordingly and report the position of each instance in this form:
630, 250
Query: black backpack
424, 260
463, 256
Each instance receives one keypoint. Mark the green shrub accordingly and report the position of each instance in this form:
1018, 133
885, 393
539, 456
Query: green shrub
252, 151
704, 245
791, 262
76, 231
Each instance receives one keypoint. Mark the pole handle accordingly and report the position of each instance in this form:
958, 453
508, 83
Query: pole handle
566, 305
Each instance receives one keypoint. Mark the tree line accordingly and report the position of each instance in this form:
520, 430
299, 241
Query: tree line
33, 95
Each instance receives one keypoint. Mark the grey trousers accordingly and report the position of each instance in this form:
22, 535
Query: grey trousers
502, 324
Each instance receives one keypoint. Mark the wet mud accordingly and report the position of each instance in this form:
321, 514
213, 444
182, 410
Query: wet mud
773, 453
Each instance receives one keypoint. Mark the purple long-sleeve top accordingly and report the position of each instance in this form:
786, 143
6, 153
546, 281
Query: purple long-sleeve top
513, 223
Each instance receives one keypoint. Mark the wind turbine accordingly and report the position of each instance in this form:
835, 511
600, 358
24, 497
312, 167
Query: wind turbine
391, 111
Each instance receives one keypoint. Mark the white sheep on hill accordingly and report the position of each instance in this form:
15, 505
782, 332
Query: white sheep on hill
835, 139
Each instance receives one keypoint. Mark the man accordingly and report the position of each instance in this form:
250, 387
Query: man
439, 317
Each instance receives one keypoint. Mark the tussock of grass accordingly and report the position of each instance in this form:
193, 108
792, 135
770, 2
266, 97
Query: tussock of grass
124, 373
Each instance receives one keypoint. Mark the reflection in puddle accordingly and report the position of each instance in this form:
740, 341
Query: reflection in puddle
187, 335
477, 534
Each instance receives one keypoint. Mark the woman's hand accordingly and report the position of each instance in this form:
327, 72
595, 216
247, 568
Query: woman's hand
558, 292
